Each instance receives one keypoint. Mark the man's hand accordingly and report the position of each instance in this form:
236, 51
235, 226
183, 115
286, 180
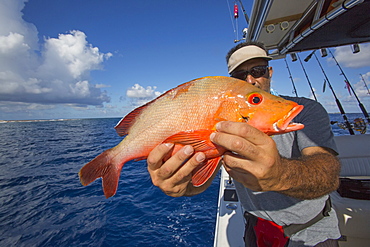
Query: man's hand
173, 175
254, 161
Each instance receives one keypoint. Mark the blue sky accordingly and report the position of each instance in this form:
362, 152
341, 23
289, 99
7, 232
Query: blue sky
102, 58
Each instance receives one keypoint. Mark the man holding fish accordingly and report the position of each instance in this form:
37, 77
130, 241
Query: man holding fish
282, 181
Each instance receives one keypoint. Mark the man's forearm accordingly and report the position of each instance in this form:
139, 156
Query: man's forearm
311, 176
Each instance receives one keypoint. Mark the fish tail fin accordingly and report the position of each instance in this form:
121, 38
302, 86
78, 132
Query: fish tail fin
102, 166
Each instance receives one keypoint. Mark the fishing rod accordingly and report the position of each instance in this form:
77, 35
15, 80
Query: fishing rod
308, 80
244, 12
347, 123
368, 91
350, 86
291, 78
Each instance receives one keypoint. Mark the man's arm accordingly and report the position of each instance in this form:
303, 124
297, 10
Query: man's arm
173, 175
315, 174
255, 162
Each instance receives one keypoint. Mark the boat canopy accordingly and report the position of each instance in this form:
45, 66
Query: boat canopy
288, 26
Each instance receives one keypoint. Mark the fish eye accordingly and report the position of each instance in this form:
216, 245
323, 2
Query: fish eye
254, 98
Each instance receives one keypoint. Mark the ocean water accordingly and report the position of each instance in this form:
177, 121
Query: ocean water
42, 202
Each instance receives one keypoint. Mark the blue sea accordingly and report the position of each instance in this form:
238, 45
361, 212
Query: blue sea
42, 202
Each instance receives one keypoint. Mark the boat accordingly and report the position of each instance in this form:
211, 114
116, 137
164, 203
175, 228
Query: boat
288, 27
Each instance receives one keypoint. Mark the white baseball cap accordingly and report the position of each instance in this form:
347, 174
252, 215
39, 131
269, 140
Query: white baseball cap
244, 54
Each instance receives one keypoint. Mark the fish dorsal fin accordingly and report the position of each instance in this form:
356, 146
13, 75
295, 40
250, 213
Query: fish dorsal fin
124, 125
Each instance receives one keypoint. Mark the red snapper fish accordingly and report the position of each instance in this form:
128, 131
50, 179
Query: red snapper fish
187, 115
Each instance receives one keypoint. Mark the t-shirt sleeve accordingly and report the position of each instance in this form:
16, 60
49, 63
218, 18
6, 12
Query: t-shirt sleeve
317, 130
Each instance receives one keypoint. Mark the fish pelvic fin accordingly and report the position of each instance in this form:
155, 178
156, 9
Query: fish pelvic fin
104, 167
203, 172
200, 141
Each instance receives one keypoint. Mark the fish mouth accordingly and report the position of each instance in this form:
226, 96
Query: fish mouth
285, 125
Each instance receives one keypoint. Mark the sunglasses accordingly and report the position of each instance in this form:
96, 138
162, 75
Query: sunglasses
256, 72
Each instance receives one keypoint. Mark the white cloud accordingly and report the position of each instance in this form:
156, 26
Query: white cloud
53, 72
12, 22
72, 53
101, 85
11, 43
140, 95
346, 58
138, 91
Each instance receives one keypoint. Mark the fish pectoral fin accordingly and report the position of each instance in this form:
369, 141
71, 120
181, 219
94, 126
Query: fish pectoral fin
203, 172
199, 139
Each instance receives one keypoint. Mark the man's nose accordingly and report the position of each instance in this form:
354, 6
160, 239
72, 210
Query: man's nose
250, 79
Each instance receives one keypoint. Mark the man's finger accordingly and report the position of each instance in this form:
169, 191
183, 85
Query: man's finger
235, 144
186, 170
244, 130
156, 156
175, 162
